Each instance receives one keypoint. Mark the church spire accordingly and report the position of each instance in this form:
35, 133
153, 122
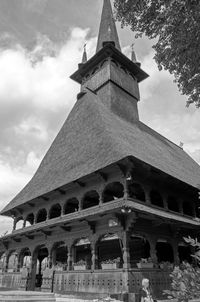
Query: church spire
107, 30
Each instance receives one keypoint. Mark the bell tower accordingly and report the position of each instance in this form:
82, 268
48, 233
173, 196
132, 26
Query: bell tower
109, 73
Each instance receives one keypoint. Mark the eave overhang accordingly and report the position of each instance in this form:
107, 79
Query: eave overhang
109, 51
115, 206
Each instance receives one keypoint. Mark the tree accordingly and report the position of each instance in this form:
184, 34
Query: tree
176, 26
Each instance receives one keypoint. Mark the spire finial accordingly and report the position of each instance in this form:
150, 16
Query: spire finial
84, 58
107, 30
133, 55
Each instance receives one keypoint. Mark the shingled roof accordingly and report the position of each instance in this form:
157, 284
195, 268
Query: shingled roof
93, 137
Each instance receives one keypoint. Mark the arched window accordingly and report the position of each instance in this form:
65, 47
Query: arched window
25, 258
59, 256
109, 249
184, 252
12, 262
55, 211
139, 248
41, 216
30, 219
172, 204
164, 251
71, 206
82, 251
156, 199
113, 191
136, 191
20, 223
187, 208
90, 199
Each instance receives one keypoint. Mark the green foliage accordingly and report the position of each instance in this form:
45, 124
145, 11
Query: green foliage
185, 283
186, 278
175, 25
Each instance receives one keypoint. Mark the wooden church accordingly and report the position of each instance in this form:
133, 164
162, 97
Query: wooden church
112, 199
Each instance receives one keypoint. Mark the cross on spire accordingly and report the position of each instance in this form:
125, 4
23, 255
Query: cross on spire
107, 30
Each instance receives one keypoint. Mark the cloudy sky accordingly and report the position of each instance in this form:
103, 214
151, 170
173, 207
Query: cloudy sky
41, 43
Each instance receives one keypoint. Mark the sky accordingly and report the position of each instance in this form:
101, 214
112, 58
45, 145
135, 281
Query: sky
41, 44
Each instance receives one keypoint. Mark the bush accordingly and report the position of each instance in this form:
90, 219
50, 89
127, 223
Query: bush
185, 283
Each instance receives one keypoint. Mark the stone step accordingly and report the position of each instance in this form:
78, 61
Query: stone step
18, 296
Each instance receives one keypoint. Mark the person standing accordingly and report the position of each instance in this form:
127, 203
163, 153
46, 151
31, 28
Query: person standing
145, 294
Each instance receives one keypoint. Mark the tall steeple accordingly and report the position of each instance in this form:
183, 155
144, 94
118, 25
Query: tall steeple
107, 30
112, 76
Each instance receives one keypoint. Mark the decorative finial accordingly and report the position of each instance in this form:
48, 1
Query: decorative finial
84, 58
133, 55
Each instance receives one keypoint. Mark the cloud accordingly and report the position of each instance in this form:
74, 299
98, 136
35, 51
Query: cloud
36, 96
163, 108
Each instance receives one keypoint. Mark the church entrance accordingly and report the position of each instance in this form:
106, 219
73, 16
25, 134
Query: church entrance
40, 262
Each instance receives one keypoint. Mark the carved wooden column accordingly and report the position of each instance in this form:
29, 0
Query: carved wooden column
180, 202
126, 250
14, 223
165, 203
62, 208
24, 223
33, 268
147, 194
7, 256
51, 255
126, 183
153, 251
69, 257
93, 241
175, 251
101, 189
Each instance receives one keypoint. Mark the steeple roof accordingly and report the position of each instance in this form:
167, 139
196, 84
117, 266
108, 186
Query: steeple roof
107, 30
94, 137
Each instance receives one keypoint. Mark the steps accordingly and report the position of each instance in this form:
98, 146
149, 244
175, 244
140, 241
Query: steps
18, 296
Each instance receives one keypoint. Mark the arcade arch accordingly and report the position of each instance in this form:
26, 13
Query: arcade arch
113, 191
90, 199
41, 216
55, 211
71, 206
156, 199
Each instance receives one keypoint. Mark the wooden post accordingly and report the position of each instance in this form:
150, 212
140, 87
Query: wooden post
126, 250
69, 258
153, 251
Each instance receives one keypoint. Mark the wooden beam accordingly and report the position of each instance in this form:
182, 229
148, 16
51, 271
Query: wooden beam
102, 175
122, 168
62, 192
44, 198
31, 237
20, 211
47, 233
17, 239
80, 183
32, 205
66, 228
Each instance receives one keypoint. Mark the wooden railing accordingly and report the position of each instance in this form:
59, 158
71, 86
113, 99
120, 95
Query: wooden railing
115, 281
